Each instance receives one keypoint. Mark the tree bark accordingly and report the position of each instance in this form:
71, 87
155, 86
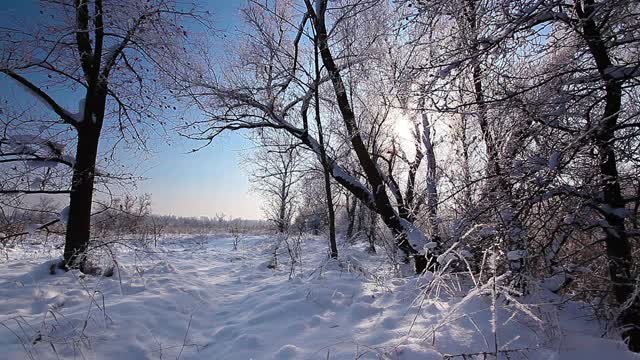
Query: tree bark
372, 232
78, 230
81, 198
79, 223
616, 238
333, 247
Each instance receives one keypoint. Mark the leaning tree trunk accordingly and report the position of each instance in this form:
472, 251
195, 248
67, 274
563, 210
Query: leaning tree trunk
382, 203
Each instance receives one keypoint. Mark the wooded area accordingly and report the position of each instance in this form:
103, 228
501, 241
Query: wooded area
498, 138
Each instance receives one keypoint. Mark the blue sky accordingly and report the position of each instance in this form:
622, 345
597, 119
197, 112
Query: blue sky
182, 183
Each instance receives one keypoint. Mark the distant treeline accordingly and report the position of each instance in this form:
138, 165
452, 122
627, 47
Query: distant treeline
127, 215
203, 224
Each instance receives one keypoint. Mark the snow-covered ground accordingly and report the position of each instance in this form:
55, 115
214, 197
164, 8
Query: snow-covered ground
199, 299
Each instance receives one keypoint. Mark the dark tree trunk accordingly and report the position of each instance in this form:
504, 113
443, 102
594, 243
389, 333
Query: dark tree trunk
89, 128
331, 214
372, 232
78, 230
352, 202
325, 165
81, 198
616, 238
282, 210
402, 239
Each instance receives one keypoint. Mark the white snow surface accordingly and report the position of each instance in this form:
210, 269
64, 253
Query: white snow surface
209, 302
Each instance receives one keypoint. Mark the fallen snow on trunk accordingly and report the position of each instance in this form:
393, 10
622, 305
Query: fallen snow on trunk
209, 302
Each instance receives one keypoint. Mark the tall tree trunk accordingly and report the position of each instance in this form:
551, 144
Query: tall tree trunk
331, 214
78, 230
81, 198
325, 166
616, 237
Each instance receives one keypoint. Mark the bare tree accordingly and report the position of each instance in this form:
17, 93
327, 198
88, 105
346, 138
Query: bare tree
105, 51
276, 172
282, 86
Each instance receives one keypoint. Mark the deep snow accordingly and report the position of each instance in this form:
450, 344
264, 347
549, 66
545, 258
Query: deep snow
195, 298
